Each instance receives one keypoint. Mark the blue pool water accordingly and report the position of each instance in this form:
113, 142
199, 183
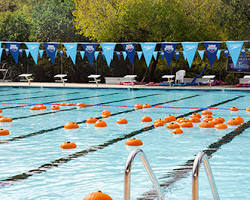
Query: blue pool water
33, 166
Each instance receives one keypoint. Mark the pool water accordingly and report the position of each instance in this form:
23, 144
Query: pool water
33, 166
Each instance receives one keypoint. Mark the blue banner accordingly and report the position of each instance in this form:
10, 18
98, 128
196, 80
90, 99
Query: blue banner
226, 53
51, 51
71, 51
155, 55
139, 54
148, 50
108, 50
168, 49
218, 54
201, 53
212, 49
61, 53
96, 54
189, 51
184, 55
1, 51
130, 50
124, 55
82, 53
234, 48
89, 51
162, 55
21, 52
118, 55
7, 51
243, 52
14, 50
177, 55
103, 56
27, 52
34, 50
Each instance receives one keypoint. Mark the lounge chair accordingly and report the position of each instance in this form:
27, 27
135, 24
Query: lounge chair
208, 79
26, 77
129, 79
170, 78
179, 76
95, 77
61, 78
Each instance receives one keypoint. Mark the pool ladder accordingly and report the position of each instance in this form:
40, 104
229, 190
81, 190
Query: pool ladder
201, 157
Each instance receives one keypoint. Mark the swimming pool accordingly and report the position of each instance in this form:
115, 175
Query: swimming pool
33, 166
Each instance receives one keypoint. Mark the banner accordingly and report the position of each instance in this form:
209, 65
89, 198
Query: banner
108, 50
103, 56
124, 55
189, 51
184, 55
41, 53
118, 55
162, 55
139, 54
82, 53
14, 50
218, 54
34, 50
71, 51
201, 53
21, 52
212, 49
155, 55
1, 51
234, 48
89, 51
130, 50
168, 49
243, 52
243, 65
27, 52
51, 51
177, 54
226, 53
96, 54
148, 50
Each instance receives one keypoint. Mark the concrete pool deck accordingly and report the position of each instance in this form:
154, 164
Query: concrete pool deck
103, 85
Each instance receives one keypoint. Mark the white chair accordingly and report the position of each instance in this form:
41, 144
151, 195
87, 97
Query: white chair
170, 78
179, 76
26, 77
208, 79
61, 78
95, 77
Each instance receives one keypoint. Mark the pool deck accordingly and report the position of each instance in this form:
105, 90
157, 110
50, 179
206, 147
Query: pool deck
101, 85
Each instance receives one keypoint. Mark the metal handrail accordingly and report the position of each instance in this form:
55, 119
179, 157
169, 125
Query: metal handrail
201, 156
127, 171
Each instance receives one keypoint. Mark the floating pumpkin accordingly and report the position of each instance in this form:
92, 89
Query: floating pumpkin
91, 120
218, 120
4, 132
159, 122
240, 119
1, 116
106, 113
68, 145
177, 131
221, 126
70, 104
146, 119
195, 120
138, 106
173, 125
80, 105
63, 104
207, 119
5, 119
206, 124
55, 108
1, 111
146, 106
42, 107
122, 121
71, 125
233, 122
100, 123
186, 125
134, 142
170, 118
35, 108
234, 108
195, 115
179, 120
97, 196
248, 109
206, 112
207, 116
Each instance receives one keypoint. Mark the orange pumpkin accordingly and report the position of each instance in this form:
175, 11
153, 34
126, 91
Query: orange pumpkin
71, 125
159, 122
35, 108
138, 106
218, 120
146, 119
173, 125
63, 104
1, 116
195, 115
177, 131
179, 120
1, 111
207, 116
81, 105
97, 196
195, 120
4, 132
42, 107
5, 119
170, 118
248, 109
206, 124
146, 106
70, 104
221, 126
134, 142
91, 120
55, 108
186, 125
233, 122
240, 119
207, 119
122, 121
100, 123
206, 112
106, 113
234, 108
68, 145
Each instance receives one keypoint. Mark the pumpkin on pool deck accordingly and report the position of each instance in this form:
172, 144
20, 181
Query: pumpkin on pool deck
240, 119
206, 112
146, 106
122, 121
234, 108
100, 123
146, 119
5, 119
173, 125
170, 118
138, 106
159, 122
186, 125
4, 132
55, 108
81, 105
233, 122
221, 126
106, 113
177, 131
68, 145
91, 120
206, 124
195, 115
97, 196
71, 125
195, 120
134, 142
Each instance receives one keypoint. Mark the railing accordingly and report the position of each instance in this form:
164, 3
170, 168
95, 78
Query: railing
128, 167
201, 156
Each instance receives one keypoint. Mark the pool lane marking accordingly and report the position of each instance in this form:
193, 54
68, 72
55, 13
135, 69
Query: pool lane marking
13, 94
183, 170
60, 127
20, 177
